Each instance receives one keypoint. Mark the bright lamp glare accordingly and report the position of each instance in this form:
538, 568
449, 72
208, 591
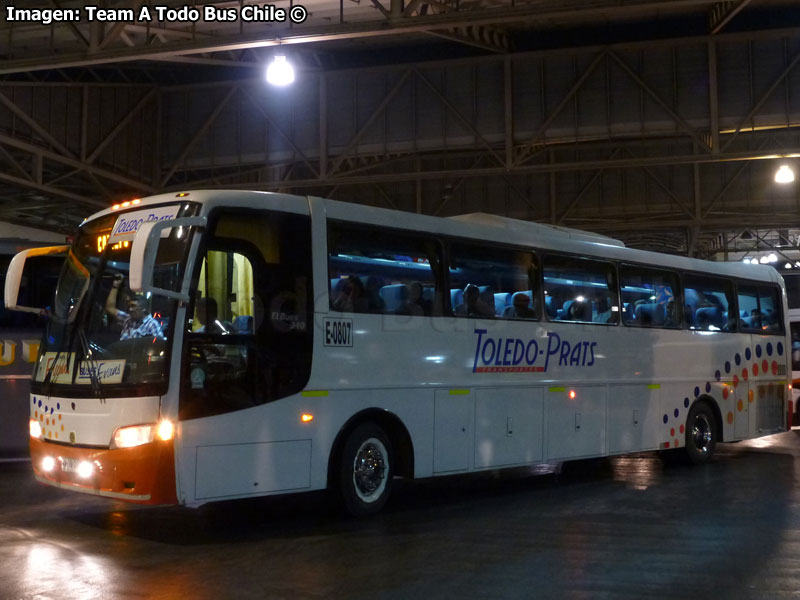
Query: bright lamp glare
784, 174
166, 430
48, 464
35, 429
85, 470
280, 71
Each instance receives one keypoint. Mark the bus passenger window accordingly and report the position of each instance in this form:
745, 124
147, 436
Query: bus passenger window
648, 297
580, 290
381, 271
759, 309
709, 302
490, 283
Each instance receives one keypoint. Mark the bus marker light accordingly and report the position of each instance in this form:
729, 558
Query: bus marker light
306, 418
48, 464
166, 430
572, 394
35, 429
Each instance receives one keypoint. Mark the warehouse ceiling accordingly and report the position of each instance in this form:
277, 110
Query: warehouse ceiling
660, 122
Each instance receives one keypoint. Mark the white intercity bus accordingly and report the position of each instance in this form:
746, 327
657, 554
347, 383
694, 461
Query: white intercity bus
212, 345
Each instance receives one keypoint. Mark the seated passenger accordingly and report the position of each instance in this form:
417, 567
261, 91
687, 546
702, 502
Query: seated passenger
349, 296
520, 307
473, 305
603, 310
577, 311
417, 304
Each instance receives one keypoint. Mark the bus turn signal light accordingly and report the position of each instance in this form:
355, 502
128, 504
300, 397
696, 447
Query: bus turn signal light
306, 418
166, 431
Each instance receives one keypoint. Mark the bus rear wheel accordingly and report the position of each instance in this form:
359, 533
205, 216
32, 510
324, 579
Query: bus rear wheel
365, 470
701, 434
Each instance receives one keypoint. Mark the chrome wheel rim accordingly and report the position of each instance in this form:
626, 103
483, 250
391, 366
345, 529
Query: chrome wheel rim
369, 470
701, 433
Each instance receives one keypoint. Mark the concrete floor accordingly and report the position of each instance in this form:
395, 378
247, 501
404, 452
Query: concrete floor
620, 528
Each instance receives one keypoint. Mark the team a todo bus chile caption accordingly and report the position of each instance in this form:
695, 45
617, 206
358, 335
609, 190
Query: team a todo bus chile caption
266, 13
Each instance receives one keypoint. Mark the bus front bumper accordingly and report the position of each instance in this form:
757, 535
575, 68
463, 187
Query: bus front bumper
144, 474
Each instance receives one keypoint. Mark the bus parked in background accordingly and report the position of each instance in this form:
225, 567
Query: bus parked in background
20, 333
211, 345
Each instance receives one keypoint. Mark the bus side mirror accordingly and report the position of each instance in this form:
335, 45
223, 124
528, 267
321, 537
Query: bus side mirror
145, 249
22, 274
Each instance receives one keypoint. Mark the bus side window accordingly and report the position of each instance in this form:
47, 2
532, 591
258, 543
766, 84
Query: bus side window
712, 301
649, 297
380, 271
580, 290
492, 282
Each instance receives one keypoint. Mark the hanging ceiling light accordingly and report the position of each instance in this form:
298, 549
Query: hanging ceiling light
280, 71
784, 174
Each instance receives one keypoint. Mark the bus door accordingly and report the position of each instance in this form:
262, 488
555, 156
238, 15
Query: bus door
248, 345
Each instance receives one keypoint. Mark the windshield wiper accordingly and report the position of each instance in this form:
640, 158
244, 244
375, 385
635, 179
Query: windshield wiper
97, 386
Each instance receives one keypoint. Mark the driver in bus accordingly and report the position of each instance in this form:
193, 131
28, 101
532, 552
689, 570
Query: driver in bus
137, 321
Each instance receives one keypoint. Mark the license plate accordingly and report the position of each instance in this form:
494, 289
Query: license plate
69, 465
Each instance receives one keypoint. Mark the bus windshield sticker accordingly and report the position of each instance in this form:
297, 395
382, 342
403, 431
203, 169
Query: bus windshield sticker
61, 372
128, 223
516, 355
338, 332
108, 371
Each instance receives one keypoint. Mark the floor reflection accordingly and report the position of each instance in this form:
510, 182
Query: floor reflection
638, 472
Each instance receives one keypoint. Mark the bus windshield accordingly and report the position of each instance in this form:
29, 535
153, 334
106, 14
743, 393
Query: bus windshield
100, 333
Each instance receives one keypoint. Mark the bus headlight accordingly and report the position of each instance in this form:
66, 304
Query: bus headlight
35, 429
135, 435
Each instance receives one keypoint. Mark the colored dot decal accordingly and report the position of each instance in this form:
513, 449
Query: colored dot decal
676, 443
47, 421
769, 349
672, 432
40, 404
727, 366
62, 428
36, 414
758, 351
73, 406
58, 406
683, 429
755, 369
59, 417
774, 367
744, 374
737, 359
717, 375
56, 435
677, 412
696, 392
666, 419
686, 402
708, 388
730, 418
666, 444
780, 348
735, 380
747, 354
740, 405
724, 393
34, 400
764, 366
41, 418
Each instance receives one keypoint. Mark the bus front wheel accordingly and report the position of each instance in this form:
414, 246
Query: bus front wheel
701, 434
365, 470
